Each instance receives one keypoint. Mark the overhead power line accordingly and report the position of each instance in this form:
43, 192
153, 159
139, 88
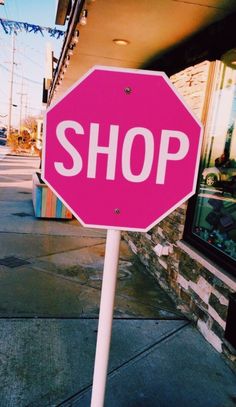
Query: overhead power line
30, 59
20, 76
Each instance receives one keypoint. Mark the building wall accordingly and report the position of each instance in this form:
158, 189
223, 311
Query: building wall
199, 289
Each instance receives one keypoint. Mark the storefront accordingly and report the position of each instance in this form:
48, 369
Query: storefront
197, 262
212, 214
192, 252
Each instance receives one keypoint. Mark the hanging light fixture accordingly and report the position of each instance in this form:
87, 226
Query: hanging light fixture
84, 17
70, 51
67, 61
75, 38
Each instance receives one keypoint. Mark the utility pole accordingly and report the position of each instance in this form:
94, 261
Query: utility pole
11, 83
26, 105
21, 103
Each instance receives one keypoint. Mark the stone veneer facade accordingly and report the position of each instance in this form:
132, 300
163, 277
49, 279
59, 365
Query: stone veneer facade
198, 287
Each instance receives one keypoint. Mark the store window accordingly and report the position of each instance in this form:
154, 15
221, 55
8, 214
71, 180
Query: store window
212, 212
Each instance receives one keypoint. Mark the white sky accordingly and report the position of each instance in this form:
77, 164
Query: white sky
29, 57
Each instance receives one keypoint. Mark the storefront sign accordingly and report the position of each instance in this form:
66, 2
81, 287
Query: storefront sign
121, 149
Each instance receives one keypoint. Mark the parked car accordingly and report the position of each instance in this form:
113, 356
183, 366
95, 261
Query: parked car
213, 176
3, 141
3, 132
3, 136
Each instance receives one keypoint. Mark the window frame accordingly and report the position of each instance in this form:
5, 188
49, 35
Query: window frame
221, 259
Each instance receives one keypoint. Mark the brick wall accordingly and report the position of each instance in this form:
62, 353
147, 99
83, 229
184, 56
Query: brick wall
200, 294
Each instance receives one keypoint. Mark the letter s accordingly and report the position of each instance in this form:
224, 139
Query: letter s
76, 157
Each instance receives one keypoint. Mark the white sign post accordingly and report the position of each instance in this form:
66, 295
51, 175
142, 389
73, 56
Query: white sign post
105, 317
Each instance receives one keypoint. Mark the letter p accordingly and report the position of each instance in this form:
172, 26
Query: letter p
165, 156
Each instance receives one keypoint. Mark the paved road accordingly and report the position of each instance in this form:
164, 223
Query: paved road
3, 152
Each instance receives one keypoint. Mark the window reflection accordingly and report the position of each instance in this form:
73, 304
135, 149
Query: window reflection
215, 214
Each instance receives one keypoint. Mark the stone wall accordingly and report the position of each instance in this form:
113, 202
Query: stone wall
198, 292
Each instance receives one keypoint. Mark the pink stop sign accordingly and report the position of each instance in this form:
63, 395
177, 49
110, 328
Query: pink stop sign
121, 149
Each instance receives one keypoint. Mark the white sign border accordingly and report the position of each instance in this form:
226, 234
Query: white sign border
134, 71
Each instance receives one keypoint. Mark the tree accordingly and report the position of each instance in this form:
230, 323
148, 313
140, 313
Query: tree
25, 141
30, 124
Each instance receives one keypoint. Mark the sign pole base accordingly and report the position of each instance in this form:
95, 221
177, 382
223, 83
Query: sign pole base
105, 317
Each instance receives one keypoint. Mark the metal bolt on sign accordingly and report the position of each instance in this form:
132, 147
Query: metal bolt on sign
128, 90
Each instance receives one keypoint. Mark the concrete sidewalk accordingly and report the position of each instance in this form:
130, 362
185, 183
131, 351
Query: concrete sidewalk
50, 280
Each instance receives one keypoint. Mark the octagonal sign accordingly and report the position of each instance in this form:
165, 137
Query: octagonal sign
121, 149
